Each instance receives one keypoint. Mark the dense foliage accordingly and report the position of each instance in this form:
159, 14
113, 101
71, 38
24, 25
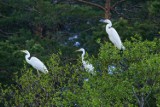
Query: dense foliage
133, 80
53, 29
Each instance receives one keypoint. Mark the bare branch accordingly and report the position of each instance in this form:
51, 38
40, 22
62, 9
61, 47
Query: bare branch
134, 93
148, 94
92, 4
120, 14
2, 16
127, 10
4, 36
114, 5
6, 33
142, 100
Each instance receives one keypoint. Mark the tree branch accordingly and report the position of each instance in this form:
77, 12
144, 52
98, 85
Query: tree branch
142, 100
148, 95
118, 2
134, 93
92, 4
120, 14
6, 33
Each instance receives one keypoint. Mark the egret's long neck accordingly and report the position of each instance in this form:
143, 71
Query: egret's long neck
27, 57
83, 55
109, 25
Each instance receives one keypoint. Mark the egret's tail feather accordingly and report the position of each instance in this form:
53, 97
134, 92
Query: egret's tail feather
123, 48
46, 71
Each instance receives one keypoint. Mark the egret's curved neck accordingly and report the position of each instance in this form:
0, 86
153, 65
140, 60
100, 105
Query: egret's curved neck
109, 25
83, 55
27, 57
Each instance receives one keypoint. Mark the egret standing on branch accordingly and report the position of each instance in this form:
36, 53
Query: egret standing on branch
35, 62
88, 67
113, 35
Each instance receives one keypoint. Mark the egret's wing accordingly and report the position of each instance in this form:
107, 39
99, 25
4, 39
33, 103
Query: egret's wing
37, 64
89, 67
114, 37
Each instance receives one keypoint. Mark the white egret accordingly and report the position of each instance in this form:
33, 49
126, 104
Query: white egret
35, 62
113, 35
88, 67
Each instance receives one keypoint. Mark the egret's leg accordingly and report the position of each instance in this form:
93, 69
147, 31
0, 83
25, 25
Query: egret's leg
38, 73
121, 53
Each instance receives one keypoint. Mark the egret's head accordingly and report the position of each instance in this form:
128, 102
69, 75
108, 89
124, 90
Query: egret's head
105, 20
81, 49
25, 51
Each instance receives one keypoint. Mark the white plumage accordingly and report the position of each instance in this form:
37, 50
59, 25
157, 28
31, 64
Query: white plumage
113, 35
88, 67
35, 63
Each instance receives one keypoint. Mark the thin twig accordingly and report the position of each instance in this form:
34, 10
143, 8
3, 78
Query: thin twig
92, 4
142, 99
120, 14
131, 11
134, 93
6, 33
115, 4
148, 94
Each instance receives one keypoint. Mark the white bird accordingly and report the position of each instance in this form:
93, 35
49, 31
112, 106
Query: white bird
113, 35
88, 67
35, 62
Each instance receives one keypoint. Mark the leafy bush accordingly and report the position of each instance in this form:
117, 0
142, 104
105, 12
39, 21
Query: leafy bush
134, 79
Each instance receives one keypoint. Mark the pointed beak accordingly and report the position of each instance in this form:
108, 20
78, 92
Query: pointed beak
101, 20
22, 50
77, 50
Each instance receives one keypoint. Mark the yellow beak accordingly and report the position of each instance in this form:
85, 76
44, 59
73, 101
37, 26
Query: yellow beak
22, 50
77, 50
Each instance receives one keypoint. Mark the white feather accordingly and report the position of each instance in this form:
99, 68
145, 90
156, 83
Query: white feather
88, 67
35, 62
114, 38
113, 35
